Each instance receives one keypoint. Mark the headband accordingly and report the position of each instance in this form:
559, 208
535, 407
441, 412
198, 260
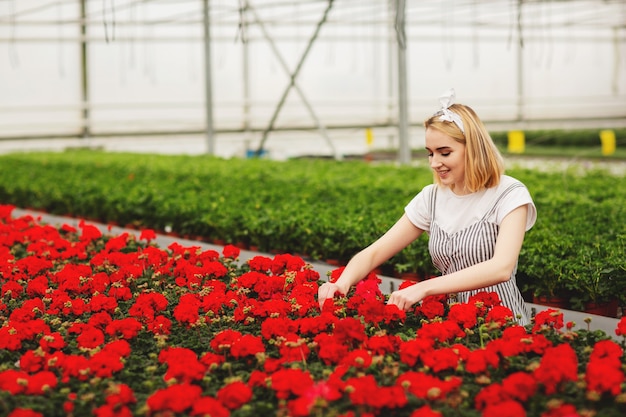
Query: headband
447, 115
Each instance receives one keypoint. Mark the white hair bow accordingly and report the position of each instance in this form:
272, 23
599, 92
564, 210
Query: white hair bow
446, 100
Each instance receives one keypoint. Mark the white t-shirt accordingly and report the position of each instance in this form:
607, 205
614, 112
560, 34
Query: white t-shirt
456, 212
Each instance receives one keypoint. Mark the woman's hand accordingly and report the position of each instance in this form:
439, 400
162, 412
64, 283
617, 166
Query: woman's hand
407, 297
328, 290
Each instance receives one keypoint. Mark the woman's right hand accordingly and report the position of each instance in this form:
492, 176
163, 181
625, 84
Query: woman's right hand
328, 290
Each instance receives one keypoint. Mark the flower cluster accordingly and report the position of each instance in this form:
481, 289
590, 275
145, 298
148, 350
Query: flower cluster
92, 324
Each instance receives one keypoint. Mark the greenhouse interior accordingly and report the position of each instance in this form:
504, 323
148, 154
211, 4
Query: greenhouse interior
307, 208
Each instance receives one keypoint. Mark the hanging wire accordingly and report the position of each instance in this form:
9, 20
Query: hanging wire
242, 26
60, 48
13, 55
104, 20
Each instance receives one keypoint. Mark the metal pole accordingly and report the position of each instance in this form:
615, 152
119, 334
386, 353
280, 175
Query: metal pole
520, 63
210, 139
84, 73
404, 151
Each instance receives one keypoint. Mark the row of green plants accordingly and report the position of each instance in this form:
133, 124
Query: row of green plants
323, 209
561, 138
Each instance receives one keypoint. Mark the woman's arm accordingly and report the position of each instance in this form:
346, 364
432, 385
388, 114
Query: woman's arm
496, 270
401, 234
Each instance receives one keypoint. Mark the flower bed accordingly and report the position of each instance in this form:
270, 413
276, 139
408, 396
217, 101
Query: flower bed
114, 326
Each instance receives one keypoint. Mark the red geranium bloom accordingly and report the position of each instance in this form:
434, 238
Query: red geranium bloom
223, 340
24, 412
177, 398
441, 359
561, 410
231, 251
234, 395
147, 235
508, 408
182, 364
621, 327
465, 315
161, 325
359, 358
426, 386
500, 314
559, 364
411, 351
126, 328
247, 345
88, 336
519, 386
208, 406
425, 411
287, 382
549, 318
480, 359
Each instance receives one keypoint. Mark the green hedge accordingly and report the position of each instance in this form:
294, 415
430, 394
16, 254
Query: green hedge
322, 208
574, 138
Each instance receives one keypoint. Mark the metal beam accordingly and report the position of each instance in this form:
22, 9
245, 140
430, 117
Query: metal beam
208, 79
404, 151
292, 78
84, 74
320, 127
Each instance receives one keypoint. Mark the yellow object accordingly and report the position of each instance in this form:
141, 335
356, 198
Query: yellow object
516, 141
369, 136
607, 138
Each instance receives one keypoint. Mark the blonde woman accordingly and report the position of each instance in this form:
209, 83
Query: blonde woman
475, 215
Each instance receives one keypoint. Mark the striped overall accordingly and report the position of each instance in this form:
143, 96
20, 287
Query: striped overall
476, 243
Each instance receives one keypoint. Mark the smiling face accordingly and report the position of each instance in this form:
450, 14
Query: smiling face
446, 157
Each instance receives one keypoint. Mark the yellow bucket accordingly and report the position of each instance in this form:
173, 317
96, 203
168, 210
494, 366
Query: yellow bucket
516, 141
607, 139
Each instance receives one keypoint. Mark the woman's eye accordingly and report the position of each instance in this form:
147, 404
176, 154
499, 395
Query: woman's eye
445, 153
430, 155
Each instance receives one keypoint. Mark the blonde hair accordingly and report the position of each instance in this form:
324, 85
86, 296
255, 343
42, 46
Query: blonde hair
483, 162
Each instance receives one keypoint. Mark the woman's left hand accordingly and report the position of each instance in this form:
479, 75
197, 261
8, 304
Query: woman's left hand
405, 298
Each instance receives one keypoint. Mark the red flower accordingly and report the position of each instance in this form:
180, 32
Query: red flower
247, 345
561, 410
519, 386
412, 350
465, 315
425, 411
208, 406
427, 386
147, 235
441, 359
88, 336
508, 408
182, 365
223, 340
621, 327
177, 398
126, 328
558, 365
548, 318
24, 412
288, 382
234, 395
499, 314
188, 309
360, 359
89, 232
260, 263
480, 359
231, 251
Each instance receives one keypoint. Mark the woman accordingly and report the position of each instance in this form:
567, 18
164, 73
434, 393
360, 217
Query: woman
476, 218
